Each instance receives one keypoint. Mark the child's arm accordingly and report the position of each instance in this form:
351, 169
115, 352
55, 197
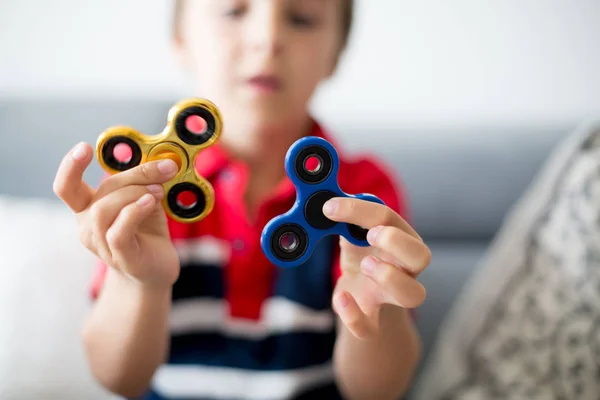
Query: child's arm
123, 223
126, 335
382, 366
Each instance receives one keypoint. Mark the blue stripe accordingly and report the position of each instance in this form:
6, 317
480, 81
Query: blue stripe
311, 283
327, 392
277, 352
197, 280
152, 395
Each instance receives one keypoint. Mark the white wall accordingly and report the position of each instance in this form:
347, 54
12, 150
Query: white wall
438, 61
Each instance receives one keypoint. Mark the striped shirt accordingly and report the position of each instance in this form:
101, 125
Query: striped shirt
241, 328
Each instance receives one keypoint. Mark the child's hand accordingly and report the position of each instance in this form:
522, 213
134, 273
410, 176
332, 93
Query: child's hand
382, 274
122, 222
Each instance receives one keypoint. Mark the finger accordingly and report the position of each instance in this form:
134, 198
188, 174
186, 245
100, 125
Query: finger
121, 236
68, 183
351, 315
106, 210
366, 214
401, 289
151, 173
409, 252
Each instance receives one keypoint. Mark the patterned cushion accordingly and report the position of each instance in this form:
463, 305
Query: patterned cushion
527, 326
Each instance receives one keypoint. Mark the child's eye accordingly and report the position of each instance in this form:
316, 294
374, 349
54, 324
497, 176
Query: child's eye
302, 20
234, 12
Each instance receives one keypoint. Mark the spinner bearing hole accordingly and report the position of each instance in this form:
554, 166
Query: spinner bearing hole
187, 200
196, 124
313, 164
123, 153
289, 242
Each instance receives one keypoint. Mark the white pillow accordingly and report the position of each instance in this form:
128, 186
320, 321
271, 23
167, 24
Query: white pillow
527, 326
44, 276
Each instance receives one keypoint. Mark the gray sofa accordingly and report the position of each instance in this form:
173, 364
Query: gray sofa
461, 180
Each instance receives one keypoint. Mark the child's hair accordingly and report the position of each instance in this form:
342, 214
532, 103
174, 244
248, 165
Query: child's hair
347, 16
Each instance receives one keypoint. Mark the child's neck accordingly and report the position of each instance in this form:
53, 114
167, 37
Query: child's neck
264, 154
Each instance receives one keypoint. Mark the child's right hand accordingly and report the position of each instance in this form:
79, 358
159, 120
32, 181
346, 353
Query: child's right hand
122, 222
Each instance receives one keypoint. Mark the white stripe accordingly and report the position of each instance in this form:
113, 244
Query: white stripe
205, 249
199, 381
279, 315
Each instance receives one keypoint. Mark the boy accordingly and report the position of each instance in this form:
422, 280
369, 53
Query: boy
196, 311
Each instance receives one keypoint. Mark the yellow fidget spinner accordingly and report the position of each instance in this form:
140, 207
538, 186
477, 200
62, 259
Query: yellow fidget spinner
192, 126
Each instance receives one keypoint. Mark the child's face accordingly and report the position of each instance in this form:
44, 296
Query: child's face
260, 60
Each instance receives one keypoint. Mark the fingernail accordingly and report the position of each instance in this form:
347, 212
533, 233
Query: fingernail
145, 199
156, 189
79, 152
368, 264
167, 167
372, 234
330, 207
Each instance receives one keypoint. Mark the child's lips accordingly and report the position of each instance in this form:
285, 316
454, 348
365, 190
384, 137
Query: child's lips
265, 83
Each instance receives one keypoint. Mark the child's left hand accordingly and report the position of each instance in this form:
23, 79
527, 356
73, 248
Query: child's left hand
383, 273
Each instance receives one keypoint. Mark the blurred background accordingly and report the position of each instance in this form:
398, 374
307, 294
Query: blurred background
464, 99
429, 62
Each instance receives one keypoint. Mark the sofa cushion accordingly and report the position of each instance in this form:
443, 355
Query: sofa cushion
44, 275
527, 325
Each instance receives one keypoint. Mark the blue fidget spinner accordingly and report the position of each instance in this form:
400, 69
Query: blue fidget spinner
289, 239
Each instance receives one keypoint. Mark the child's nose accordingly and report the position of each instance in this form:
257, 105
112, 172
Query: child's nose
265, 32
